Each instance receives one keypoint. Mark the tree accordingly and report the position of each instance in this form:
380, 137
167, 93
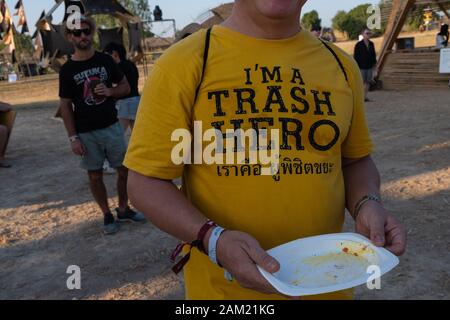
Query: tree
311, 20
353, 22
339, 19
24, 45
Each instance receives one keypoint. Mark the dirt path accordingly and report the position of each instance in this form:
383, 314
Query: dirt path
48, 220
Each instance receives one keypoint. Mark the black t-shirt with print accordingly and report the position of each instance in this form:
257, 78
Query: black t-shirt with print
76, 82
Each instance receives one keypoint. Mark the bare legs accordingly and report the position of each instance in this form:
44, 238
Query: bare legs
3, 138
98, 189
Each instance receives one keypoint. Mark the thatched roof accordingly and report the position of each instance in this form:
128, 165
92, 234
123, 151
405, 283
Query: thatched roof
215, 16
221, 13
157, 42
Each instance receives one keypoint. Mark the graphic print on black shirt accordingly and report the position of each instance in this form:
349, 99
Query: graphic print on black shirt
90, 79
77, 80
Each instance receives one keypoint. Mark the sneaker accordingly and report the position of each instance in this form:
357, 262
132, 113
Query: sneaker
110, 226
129, 215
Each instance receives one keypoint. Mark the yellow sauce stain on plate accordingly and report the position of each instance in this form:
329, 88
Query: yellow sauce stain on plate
348, 262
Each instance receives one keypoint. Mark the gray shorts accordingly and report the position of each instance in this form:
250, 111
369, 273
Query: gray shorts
367, 75
108, 143
127, 108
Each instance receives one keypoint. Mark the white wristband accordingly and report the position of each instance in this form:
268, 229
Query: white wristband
73, 138
212, 243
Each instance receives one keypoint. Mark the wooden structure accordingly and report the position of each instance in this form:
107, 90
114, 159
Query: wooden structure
214, 16
409, 68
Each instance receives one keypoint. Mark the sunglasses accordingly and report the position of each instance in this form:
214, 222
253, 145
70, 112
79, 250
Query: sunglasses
77, 32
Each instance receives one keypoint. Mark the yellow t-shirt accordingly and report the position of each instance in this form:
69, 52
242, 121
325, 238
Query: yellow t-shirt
294, 85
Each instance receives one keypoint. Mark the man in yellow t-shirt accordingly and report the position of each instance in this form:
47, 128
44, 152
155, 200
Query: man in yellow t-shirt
257, 70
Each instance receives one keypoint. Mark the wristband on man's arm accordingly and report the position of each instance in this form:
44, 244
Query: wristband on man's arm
212, 249
362, 201
73, 138
198, 243
212, 244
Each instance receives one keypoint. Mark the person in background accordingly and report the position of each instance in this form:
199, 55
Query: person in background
317, 31
126, 106
442, 37
4, 107
87, 101
366, 58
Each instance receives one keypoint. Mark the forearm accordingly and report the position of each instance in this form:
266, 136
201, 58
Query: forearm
166, 206
68, 118
120, 90
361, 178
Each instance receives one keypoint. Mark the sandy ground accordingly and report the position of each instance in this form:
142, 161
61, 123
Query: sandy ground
48, 220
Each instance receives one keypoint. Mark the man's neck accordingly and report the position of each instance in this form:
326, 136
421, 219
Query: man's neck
261, 27
82, 55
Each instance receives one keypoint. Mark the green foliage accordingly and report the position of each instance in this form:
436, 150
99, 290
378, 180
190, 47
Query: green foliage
141, 9
338, 22
352, 22
105, 21
310, 20
24, 45
415, 17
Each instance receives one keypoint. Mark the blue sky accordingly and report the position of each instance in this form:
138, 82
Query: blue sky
185, 11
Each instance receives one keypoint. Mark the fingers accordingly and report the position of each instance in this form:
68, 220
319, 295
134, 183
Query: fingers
263, 259
377, 231
395, 237
239, 254
249, 277
100, 89
78, 149
83, 149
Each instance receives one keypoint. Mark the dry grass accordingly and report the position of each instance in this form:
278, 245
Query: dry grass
425, 39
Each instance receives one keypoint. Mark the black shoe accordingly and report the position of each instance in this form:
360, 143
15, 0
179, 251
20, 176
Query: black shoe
129, 215
109, 224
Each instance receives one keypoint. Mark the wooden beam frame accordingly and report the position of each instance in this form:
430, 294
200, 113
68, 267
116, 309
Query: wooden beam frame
399, 13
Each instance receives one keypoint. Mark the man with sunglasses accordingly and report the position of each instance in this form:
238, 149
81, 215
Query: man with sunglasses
89, 84
366, 58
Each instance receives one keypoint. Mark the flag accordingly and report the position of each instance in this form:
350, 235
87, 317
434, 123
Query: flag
41, 24
8, 40
5, 17
20, 12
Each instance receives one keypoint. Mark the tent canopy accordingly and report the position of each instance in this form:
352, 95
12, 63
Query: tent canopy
104, 7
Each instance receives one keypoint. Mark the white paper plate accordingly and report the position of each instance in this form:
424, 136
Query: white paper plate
326, 263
